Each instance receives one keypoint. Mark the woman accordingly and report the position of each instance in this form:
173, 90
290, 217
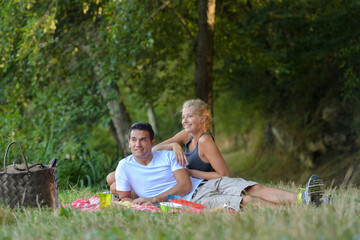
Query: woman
202, 156
204, 160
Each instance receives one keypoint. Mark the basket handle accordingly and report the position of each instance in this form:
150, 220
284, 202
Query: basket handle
53, 163
22, 153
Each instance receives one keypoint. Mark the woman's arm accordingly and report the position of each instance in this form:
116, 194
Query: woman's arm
174, 144
209, 152
180, 138
203, 175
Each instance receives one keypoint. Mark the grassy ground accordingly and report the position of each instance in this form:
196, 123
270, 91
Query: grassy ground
340, 220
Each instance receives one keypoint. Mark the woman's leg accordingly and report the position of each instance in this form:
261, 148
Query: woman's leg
273, 195
249, 200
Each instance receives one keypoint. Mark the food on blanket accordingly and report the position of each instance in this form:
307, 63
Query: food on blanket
172, 197
188, 203
169, 206
125, 203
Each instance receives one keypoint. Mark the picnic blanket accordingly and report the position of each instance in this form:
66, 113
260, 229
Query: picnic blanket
93, 204
89, 205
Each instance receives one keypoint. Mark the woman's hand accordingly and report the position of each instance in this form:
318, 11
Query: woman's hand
180, 155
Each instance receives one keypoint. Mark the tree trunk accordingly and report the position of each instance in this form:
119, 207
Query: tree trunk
120, 118
152, 117
119, 115
112, 130
205, 51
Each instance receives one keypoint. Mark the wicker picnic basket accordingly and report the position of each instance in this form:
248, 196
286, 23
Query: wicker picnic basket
28, 185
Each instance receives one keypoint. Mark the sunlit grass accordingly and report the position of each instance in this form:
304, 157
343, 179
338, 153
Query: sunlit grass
340, 220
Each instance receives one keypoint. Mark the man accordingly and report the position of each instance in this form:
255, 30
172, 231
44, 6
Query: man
155, 175
152, 175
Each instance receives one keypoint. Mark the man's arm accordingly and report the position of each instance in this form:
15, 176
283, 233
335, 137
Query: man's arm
127, 195
182, 187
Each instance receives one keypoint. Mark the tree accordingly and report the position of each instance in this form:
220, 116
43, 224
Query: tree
293, 62
120, 119
205, 51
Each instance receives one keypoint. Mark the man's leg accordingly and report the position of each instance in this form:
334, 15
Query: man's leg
273, 195
110, 179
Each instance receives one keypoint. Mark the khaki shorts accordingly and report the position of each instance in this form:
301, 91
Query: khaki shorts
222, 192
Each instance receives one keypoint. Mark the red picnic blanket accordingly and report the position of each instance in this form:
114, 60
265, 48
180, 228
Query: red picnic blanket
93, 204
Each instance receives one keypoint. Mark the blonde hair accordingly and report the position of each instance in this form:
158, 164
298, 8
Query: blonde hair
201, 108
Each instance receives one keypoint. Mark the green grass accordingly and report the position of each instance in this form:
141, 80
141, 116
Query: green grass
339, 221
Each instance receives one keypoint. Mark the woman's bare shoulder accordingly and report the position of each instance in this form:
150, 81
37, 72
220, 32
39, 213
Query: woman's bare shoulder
206, 140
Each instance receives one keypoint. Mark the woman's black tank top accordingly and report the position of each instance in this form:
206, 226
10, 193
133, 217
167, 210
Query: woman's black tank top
195, 161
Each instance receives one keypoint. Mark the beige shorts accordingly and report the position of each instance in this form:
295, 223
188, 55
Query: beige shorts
222, 191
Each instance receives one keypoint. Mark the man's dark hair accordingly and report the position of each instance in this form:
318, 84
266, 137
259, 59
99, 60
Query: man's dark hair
143, 126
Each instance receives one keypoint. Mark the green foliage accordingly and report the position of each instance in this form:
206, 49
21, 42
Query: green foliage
274, 61
287, 52
57, 56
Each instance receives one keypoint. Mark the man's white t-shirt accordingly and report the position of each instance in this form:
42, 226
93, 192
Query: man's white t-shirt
153, 179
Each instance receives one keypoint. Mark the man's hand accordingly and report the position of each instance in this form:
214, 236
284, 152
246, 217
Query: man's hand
125, 196
143, 201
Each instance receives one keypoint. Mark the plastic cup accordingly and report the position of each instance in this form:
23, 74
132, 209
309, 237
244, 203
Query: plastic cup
105, 200
168, 206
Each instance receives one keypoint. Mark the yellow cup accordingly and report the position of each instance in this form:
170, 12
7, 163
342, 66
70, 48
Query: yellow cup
105, 200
